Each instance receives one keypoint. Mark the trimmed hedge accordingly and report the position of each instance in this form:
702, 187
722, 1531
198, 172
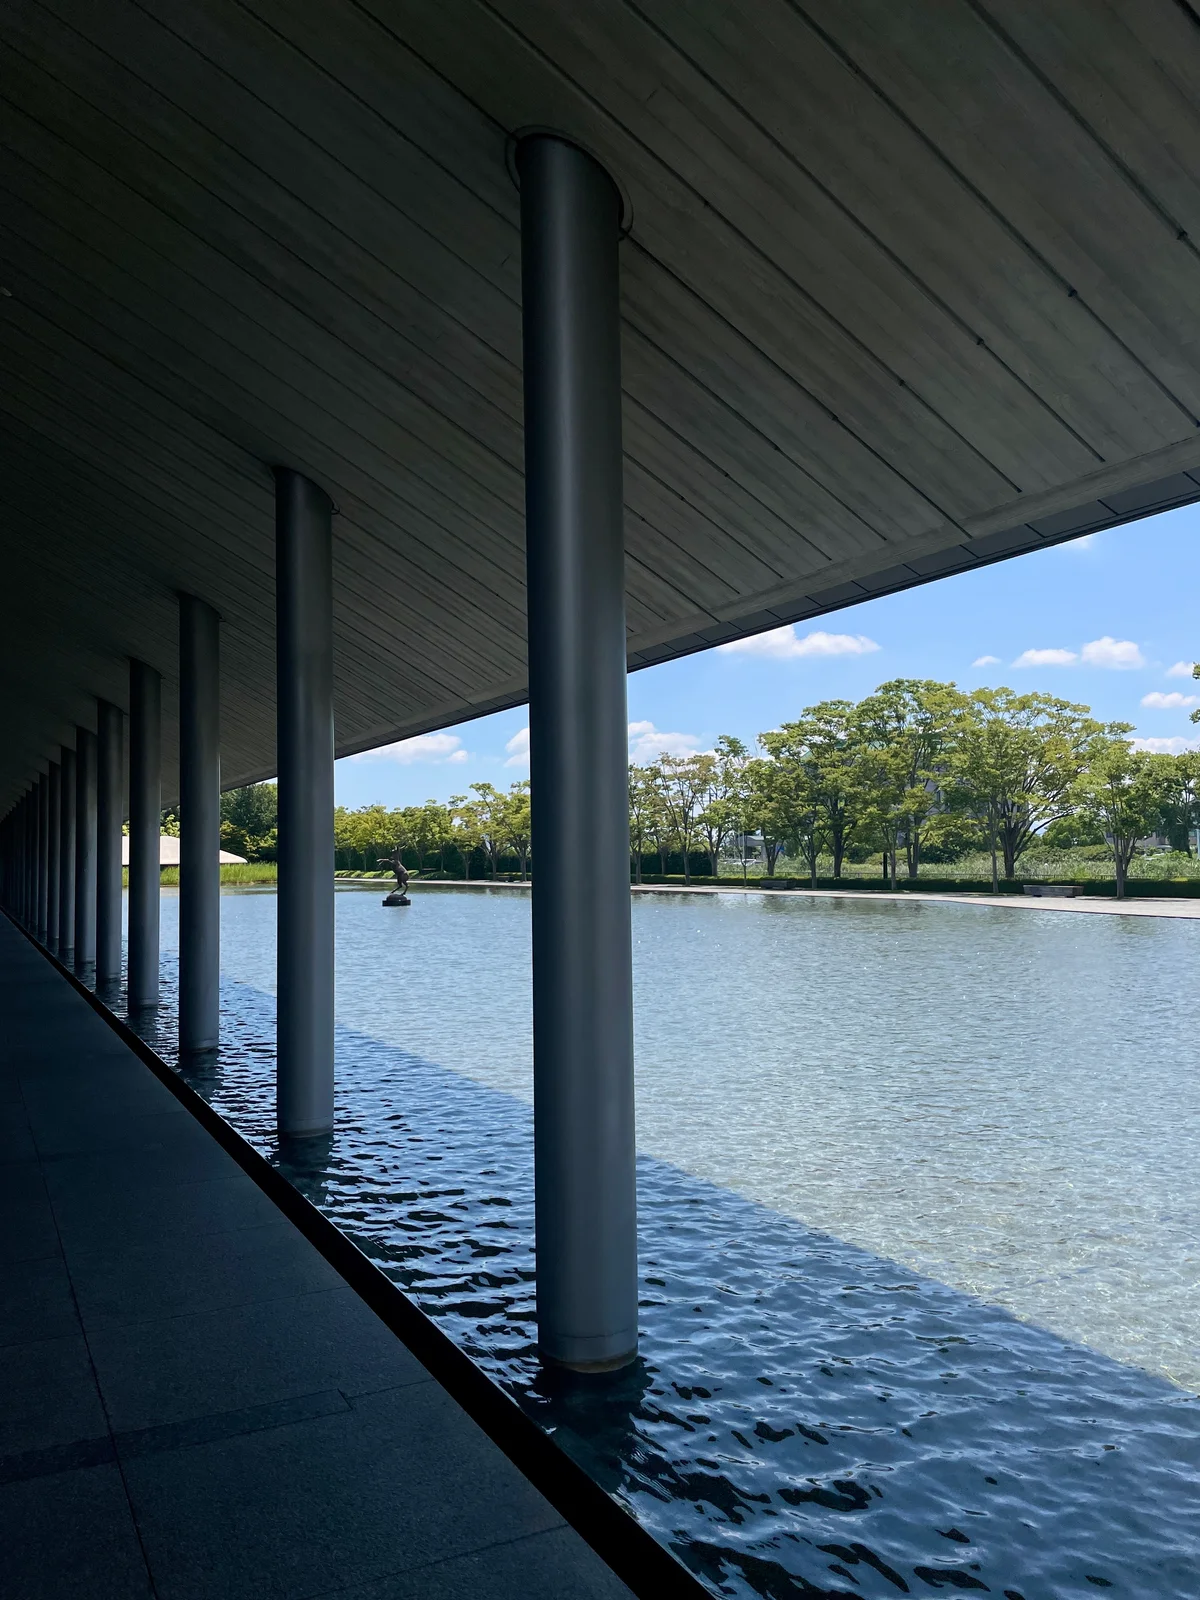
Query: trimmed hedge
1135, 888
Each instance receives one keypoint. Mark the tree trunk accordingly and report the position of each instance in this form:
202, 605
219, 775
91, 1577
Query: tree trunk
687, 866
638, 868
894, 883
712, 861
812, 865
466, 861
914, 856
1010, 858
995, 877
839, 851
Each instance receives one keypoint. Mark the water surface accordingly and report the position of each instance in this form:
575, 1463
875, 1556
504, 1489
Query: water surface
918, 1211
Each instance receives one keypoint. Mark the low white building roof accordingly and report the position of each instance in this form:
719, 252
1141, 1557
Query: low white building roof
168, 852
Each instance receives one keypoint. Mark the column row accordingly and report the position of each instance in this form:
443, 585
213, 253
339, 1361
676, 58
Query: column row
582, 990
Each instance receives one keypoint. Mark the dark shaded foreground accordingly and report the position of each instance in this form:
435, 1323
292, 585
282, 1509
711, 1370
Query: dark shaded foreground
193, 1402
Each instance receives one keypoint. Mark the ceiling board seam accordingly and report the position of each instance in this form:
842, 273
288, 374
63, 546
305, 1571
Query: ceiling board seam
729, 534
769, 360
752, 248
993, 210
1155, 206
741, 488
895, 260
278, 288
361, 473
456, 178
189, 116
753, 427
422, 449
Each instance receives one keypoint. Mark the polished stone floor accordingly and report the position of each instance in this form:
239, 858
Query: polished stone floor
192, 1402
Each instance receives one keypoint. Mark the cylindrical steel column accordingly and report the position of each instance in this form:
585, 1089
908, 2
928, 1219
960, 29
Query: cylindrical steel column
110, 807
43, 855
200, 830
85, 848
586, 1209
19, 863
145, 828
66, 858
53, 853
31, 857
304, 692
31, 849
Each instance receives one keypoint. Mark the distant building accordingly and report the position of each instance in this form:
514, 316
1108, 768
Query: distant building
168, 852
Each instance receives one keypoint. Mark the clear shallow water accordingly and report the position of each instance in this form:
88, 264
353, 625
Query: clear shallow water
862, 1122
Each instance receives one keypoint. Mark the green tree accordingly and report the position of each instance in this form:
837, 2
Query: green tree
772, 806
642, 802
722, 803
250, 821
487, 816
464, 830
824, 738
1047, 744
986, 766
1123, 791
658, 815
901, 735
515, 822
887, 803
683, 783
1181, 802
429, 831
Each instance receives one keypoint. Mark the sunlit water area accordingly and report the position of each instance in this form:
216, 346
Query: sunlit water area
919, 1198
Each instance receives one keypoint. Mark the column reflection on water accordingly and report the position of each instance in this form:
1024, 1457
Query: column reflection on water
934, 1302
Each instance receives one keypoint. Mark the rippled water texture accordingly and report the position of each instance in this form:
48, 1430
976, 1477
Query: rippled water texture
918, 1220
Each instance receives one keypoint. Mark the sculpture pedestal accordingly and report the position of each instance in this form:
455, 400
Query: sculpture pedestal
396, 898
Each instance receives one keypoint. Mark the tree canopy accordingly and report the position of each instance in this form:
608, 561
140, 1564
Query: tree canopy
916, 770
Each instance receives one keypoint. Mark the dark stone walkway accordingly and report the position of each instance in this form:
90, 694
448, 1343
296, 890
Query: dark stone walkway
192, 1402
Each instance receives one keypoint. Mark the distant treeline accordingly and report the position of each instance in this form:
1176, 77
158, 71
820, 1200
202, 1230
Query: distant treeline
917, 772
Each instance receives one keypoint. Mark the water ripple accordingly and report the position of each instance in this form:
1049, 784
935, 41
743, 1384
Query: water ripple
807, 1418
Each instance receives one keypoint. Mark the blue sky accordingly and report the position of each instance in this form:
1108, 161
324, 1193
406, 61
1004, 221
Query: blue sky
1101, 620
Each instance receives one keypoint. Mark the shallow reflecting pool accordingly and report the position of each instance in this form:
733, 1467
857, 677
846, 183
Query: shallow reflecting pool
919, 1206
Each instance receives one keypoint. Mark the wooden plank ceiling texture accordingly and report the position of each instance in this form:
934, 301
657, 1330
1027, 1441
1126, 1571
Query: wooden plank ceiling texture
910, 285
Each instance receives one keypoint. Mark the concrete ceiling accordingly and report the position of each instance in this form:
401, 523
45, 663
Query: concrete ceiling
910, 285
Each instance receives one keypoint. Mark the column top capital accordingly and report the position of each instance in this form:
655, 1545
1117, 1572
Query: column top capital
514, 141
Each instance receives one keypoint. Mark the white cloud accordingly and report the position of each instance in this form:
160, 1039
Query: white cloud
1121, 654
518, 749
1181, 669
647, 743
1169, 702
427, 748
1166, 747
783, 644
1046, 658
986, 661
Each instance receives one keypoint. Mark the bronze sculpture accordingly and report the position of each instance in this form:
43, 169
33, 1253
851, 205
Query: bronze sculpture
394, 864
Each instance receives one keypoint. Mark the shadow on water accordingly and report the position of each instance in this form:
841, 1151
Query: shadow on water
806, 1418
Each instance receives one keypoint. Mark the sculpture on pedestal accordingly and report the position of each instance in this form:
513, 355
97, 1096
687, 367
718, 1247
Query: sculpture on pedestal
393, 863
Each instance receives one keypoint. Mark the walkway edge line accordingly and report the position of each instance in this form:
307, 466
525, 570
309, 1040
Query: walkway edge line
621, 1542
